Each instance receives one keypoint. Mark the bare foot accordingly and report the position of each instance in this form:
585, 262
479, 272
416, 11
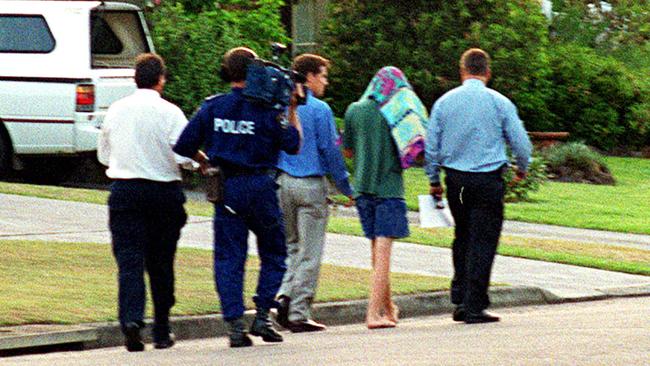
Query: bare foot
393, 314
378, 323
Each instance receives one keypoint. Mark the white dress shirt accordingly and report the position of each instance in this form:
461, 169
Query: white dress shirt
137, 137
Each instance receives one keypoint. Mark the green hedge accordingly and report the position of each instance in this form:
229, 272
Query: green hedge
598, 100
426, 38
560, 86
193, 43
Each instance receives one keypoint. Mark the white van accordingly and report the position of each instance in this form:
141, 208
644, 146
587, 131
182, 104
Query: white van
62, 63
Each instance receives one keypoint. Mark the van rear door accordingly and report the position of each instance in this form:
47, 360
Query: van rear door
118, 33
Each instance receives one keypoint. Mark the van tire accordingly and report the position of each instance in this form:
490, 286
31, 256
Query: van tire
6, 152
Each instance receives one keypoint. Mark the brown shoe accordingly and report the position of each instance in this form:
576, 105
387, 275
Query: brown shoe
307, 325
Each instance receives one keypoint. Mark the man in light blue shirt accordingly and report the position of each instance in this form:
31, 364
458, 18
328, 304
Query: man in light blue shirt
467, 135
303, 197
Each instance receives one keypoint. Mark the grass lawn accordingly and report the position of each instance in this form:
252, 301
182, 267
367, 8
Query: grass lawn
621, 208
601, 256
48, 282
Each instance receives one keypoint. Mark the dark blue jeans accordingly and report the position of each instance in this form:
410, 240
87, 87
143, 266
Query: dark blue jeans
251, 203
476, 203
145, 219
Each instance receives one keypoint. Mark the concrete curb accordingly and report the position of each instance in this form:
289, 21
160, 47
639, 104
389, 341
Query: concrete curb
101, 335
333, 313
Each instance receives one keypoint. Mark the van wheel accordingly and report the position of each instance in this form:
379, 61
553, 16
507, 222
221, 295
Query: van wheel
5, 155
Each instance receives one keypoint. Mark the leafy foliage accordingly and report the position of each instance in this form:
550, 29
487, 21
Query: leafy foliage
590, 77
516, 192
600, 101
426, 38
607, 26
576, 162
194, 43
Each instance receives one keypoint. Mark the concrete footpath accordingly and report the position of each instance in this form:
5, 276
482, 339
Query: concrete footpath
531, 282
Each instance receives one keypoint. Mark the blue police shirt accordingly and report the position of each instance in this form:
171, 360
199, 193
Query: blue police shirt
468, 131
319, 154
238, 134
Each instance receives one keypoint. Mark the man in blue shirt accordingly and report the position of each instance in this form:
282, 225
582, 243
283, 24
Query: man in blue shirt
303, 197
245, 140
467, 135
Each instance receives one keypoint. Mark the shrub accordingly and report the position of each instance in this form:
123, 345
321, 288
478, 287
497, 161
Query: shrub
576, 162
597, 99
194, 43
516, 192
426, 38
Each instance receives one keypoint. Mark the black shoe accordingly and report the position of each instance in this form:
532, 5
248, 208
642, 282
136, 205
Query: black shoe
163, 336
459, 314
307, 325
283, 311
263, 328
240, 340
133, 341
237, 334
482, 317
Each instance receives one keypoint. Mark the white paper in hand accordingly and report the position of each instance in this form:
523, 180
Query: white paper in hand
430, 216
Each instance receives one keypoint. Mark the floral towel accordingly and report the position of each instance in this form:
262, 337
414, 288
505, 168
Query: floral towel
403, 110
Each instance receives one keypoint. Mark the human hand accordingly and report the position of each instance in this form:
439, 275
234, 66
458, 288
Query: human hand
204, 166
350, 202
519, 176
436, 191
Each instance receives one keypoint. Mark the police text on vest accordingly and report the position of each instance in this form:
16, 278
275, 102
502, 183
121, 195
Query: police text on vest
234, 127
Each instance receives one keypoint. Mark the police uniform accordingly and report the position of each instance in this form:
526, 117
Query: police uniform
245, 140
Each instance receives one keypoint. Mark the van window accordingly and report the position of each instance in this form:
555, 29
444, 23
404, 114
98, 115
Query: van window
116, 38
25, 34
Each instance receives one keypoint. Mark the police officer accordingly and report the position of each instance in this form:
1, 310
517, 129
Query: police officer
245, 140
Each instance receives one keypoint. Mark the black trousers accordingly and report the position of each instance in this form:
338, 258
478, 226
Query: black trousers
145, 219
476, 203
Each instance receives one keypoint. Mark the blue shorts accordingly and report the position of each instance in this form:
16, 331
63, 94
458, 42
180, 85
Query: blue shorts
382, 217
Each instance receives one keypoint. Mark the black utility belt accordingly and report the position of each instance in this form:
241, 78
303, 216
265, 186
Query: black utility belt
240, 172
146, 181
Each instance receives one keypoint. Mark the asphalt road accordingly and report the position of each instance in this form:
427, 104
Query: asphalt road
610, 332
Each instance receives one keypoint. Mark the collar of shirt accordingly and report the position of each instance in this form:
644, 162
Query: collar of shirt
473, 83
146, 93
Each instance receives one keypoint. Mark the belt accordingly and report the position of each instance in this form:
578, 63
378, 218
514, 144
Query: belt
240, 171
146, 181
497, 172
301, 177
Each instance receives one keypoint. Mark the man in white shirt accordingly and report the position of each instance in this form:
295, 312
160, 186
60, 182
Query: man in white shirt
146, 211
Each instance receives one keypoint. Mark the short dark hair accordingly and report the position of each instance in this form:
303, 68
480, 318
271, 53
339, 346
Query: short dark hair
475, 61
308, 62
149, 67
235, 62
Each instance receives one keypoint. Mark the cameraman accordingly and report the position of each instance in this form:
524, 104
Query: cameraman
303, 197
245, 140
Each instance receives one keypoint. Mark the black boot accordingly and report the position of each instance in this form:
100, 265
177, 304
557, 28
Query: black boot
237, 334
262, 327
133, 339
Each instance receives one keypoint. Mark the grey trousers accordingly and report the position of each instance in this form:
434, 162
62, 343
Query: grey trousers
304, 206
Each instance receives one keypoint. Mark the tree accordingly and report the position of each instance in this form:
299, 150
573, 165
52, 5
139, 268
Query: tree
426, 38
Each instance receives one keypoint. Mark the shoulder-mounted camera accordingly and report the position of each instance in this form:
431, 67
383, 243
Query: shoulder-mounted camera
270, 84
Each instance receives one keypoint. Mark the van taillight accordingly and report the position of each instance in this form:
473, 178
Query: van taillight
85, 98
